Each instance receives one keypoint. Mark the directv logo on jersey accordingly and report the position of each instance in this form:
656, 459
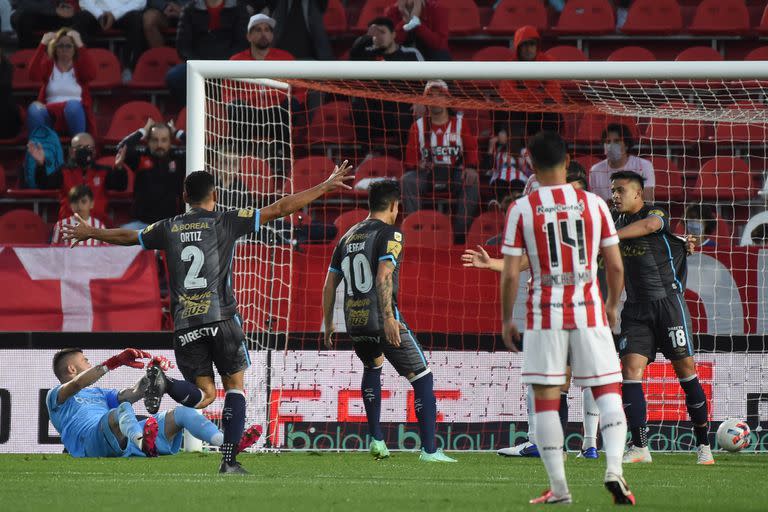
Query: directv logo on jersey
197, 334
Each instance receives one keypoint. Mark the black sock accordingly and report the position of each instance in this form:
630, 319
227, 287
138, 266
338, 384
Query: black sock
696, 402
635, 409
702, 434
184, 392
233, 421
426, 410
371, 392
563, 411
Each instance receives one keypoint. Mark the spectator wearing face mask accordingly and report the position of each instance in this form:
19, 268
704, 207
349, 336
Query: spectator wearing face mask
617, 142
701, 221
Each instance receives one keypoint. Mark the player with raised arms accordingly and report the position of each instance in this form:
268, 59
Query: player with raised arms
199, 247
562, 229
655, 315
367, 259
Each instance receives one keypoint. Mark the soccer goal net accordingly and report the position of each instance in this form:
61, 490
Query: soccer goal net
267, 129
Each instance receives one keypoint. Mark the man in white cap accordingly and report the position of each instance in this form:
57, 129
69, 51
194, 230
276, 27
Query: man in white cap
260, 35
441, 156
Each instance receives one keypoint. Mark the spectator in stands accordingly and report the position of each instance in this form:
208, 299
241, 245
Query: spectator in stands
159, 170
123, 15
701, 222
617, 142
423, 24
300, 30
160, 15
376, 119
65, 69
34, 16
7, 35
441, 156
503, 169
208, 30
81, 203
9, 111
82, 169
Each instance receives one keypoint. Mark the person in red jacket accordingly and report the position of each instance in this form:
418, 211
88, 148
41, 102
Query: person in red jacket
423, 24
62, 64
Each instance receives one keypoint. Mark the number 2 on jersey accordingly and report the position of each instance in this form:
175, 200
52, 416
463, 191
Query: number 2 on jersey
564, 235
357, 273
193, 281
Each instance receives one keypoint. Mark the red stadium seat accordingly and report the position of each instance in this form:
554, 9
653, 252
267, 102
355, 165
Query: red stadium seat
487, 225
586, 17
677, 130
513, 14
653, 17
310, 171
332, 124
728, 17
21, 81
742, 132
631, 54
698, 53
760, 53
565, 53
463, 17
494, 54
129, 118
725, 178
335, 18
427, 228
591, 126
587, 161
23, 227
348, 219
379, 167
762, 28
108, 71
371, 10
152, 66
669, 180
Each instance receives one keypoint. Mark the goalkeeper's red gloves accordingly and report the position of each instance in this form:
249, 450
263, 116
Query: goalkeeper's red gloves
127, 357
163, 362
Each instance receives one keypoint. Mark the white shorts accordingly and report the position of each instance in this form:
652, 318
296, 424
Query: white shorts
590, 350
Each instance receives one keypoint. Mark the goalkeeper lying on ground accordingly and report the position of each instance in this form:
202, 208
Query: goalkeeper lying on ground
98, 422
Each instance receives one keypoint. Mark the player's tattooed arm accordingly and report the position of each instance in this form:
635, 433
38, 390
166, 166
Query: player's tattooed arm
82, 231
332, 281
384, 287
649, 225
135, 393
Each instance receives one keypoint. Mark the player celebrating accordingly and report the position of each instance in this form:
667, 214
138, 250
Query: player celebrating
562, 229
199, 246
367, 259
655, 316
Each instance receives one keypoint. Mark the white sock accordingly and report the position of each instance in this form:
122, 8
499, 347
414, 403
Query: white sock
549, 434
531, 414
591, 419
613, 425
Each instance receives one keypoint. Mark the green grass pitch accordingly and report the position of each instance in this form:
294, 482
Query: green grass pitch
355, 482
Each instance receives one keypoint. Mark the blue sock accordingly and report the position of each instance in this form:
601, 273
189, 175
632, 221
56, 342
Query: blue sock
635, 409
563, 411
129, 425
371, 390
696, 402
184, 392
198, 425
426, 410
233, 421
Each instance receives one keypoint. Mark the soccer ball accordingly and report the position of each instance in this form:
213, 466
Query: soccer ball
733, 435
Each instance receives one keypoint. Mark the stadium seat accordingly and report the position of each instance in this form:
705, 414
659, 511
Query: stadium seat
631, 54
676, 130
586, 17
310, 171
378, 167
427, 228
21, 81
510, 15
653, 17
332, 124
760, 53
152, 66
487, 225
762, 28
23, 227
724, 178
587, 161
335, 18
565, 53
699, 53
742, 132
129, 118
108, 71
727, 17
590, 128
348, 219
463, 17
669, 180
494, 54
371, 10
257, 176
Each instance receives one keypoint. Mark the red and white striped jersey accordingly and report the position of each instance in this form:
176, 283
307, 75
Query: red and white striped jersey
71, 221
450, 144
562, 230
505, 165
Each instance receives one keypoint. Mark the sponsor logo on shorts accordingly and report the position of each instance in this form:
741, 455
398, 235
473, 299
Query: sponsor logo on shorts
197, 334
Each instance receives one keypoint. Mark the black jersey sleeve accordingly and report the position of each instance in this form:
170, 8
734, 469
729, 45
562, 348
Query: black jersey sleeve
241, 222
153, 236
335, 265
389, 245
657, 211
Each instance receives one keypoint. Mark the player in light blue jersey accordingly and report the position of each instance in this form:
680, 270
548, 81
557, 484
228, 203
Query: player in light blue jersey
98, 422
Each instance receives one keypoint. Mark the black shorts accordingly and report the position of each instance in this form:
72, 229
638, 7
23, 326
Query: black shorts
662, 325
199, 348
406, 359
